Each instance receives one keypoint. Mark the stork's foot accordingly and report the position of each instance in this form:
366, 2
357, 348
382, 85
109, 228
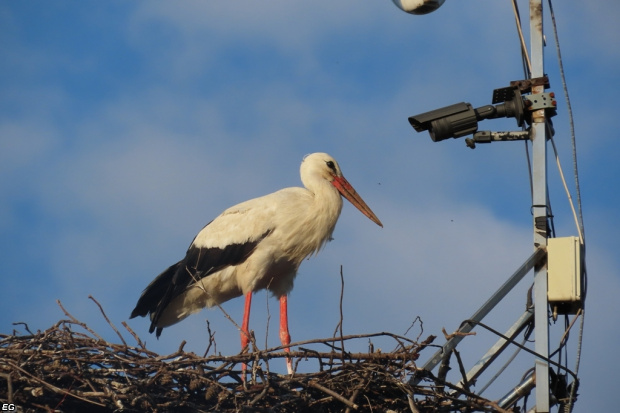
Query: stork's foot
244, 372
289, 364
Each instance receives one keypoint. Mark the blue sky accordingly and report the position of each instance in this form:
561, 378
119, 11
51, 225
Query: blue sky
126, 126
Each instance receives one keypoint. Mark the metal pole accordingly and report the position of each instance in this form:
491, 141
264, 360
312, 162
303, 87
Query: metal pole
540, 211
523, 389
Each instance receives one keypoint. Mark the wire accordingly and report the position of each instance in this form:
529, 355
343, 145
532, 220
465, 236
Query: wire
524, 54
527, 71
570, 116
579, 214
564, 337
522, 347
573, 389
503, 368
570, 199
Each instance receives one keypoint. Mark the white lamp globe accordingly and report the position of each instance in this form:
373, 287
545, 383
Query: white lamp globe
418, 6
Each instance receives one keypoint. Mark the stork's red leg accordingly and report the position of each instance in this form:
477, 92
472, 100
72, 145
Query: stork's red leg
285, 337
245, 332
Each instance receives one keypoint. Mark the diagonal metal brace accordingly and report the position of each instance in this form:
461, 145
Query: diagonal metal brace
499, 347
482, 312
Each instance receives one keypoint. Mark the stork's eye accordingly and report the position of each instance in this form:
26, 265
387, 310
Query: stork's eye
331, 165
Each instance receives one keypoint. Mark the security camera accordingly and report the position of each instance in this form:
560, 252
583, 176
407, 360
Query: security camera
418, 6
461, 119
451, 121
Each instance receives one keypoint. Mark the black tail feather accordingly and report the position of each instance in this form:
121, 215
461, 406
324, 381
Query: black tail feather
154, 297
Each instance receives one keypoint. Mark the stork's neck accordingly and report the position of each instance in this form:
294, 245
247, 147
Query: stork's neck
327, 204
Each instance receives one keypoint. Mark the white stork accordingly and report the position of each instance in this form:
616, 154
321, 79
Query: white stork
254, 245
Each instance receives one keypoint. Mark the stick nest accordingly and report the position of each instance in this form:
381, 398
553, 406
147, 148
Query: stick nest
70, 368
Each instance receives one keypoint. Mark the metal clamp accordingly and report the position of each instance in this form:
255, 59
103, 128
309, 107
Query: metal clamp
540, 101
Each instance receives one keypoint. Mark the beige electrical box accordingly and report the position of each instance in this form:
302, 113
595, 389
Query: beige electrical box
565, 274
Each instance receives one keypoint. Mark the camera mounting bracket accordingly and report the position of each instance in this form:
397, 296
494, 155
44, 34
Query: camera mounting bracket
462, 119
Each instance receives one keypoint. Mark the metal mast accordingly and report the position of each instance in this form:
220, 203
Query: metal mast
538, 136
558, 285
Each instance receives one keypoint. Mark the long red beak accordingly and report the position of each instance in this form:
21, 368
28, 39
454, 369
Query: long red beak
344, 187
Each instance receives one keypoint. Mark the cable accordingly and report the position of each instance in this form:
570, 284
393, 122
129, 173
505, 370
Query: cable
504, 367
527, 70
570, 116
524, 54
573, 388
570, 199
579, 214
522, 347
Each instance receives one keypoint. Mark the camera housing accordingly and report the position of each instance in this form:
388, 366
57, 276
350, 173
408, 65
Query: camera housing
462, 119
451, 121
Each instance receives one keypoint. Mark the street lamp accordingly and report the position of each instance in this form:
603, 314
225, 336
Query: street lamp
418, 6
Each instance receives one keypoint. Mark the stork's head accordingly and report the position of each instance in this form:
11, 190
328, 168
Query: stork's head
322, 166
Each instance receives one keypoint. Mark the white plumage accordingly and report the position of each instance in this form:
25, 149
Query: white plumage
251, 246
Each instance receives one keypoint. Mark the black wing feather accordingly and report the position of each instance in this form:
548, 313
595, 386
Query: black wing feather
197, 264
